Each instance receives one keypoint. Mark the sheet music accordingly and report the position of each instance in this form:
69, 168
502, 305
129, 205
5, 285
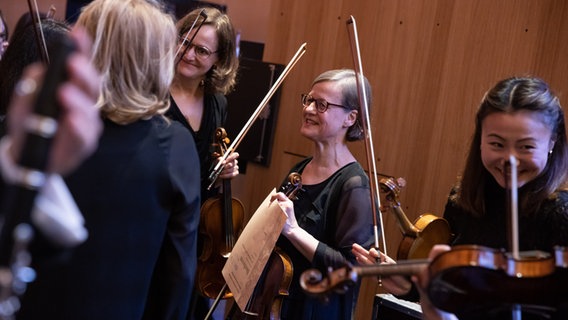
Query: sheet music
252, 250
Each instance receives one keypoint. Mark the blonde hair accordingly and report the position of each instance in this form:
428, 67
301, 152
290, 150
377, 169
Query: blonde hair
133, 43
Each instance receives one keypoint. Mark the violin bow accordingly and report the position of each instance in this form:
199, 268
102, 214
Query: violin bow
201, 14
369, 150
513, 207
238, 139
38, 31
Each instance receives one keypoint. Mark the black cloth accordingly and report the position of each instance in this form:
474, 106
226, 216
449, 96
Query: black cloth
541, 231
139, 194
214, 116
337, 212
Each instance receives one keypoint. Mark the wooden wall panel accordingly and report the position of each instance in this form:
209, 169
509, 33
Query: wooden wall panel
429, 63
13, 10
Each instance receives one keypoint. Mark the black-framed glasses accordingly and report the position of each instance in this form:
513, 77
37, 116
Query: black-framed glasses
321, 104
200, 51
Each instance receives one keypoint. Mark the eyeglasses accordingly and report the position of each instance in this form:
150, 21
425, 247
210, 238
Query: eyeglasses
200, 51
321, 104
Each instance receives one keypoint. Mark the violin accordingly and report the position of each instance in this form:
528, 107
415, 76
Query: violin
418, 238
471, 278
221, 222
523, 279
467, 276
214, 282
275, 280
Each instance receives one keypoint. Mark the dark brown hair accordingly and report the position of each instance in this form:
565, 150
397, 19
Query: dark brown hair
510, 96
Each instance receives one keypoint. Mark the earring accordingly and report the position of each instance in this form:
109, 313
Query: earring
550, 152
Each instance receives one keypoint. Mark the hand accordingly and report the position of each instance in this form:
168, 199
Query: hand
79, 125
288, 207
422, 279
300, 238
371, 256
397, 285
230, 167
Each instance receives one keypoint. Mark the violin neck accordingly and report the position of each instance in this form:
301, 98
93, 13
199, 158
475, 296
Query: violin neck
407, 228
227, 193
228, 213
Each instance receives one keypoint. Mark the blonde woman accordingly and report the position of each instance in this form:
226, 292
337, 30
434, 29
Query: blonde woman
139, 191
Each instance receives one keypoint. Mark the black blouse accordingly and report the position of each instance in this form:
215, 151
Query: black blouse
541, 231
337, 212
214, 116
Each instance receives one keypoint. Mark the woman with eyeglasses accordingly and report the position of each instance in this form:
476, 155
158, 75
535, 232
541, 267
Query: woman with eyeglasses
205, 71
333, 210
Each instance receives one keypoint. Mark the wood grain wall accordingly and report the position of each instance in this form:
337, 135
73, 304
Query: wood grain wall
429, 63
13, 10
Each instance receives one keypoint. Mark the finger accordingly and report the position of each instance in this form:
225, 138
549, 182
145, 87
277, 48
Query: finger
232, 157
281, 196
358, 248
438, 249
79, 67
81, 115
82, 73
83, 40
358, 253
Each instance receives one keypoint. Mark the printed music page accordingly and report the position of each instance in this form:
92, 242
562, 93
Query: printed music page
252, 250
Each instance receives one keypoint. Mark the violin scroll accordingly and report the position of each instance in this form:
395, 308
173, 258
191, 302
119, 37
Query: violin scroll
222, 145
418, 237
222, 142
293, 186
392, 188
313, 282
